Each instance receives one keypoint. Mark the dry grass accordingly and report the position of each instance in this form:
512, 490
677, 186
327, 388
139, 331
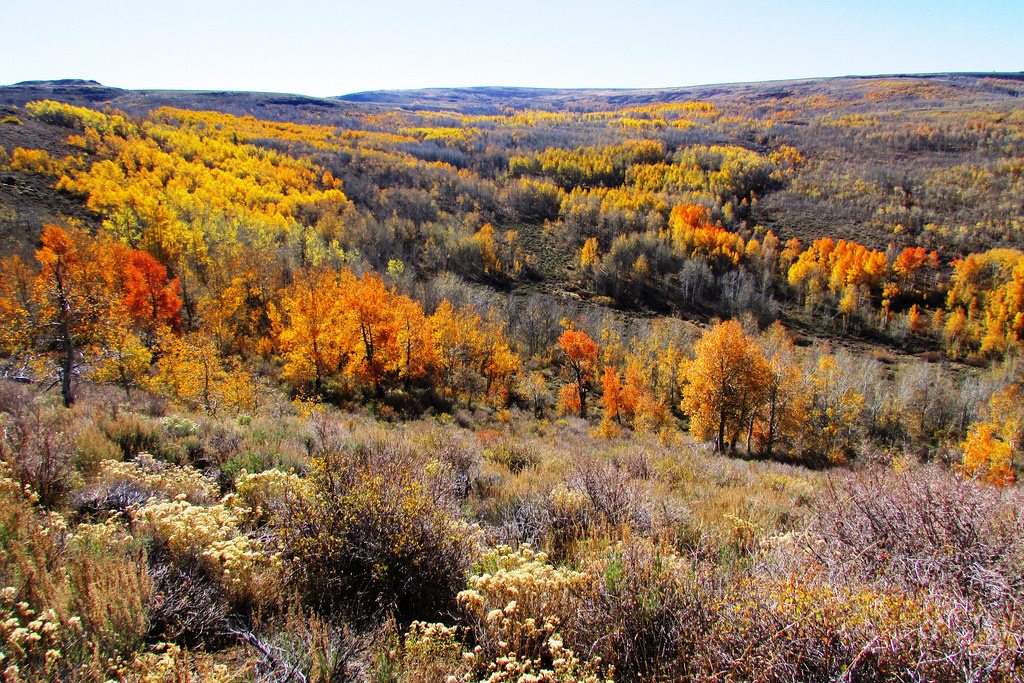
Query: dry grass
675, 563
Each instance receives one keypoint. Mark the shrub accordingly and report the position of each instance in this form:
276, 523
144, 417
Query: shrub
296, 641
171, 662
39, 447
517, 602
374, 534
923, 529
267, 494
13, 397
110, 585
92, 448
135, 434
72, 606
514, 455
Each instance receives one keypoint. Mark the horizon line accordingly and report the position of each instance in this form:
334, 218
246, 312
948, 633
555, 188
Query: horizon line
86, 82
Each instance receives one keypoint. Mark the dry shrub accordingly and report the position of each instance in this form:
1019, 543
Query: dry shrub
911, 575
187, 606
92, 447
806, 627
523, 521
217, 444
376, 533
924, 529
103, 498
429, 652
456, 454
297, 642
39, 445
72, 607
615, 497
598, 497
648, 612
512, 454
326, 434
13, 397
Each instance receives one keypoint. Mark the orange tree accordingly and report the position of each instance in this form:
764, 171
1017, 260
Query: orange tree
308, 327
581, 355
334, 322
473, 355
80, 307
68, 308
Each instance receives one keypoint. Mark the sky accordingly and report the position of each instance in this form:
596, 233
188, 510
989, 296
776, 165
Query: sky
325, 48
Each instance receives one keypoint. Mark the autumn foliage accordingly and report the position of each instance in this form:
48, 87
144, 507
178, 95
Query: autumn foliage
77, 308
726, 382
329, 446
581, 358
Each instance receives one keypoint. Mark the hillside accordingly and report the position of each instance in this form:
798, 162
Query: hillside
825, 118
490, 100
511, 384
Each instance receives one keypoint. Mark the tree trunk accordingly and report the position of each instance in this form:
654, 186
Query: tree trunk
68, 361
720, 442
65, 376
750, 432
772, 427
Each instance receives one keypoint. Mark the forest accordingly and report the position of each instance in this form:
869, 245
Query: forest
720, 383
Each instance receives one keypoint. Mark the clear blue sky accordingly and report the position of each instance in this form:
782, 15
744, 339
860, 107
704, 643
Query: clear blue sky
330, 48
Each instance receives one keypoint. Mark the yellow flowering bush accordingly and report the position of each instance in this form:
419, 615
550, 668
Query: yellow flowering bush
246, 569
432, 652
565, 667
523, 579
518, 601
264, 493
212, 533
108, 535
187, 528
30, 641
169, 662
161, 477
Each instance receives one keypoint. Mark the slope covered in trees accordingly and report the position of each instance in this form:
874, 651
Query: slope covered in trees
601, 386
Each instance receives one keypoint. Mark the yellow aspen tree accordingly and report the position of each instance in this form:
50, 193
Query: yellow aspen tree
726, 381
588, 254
